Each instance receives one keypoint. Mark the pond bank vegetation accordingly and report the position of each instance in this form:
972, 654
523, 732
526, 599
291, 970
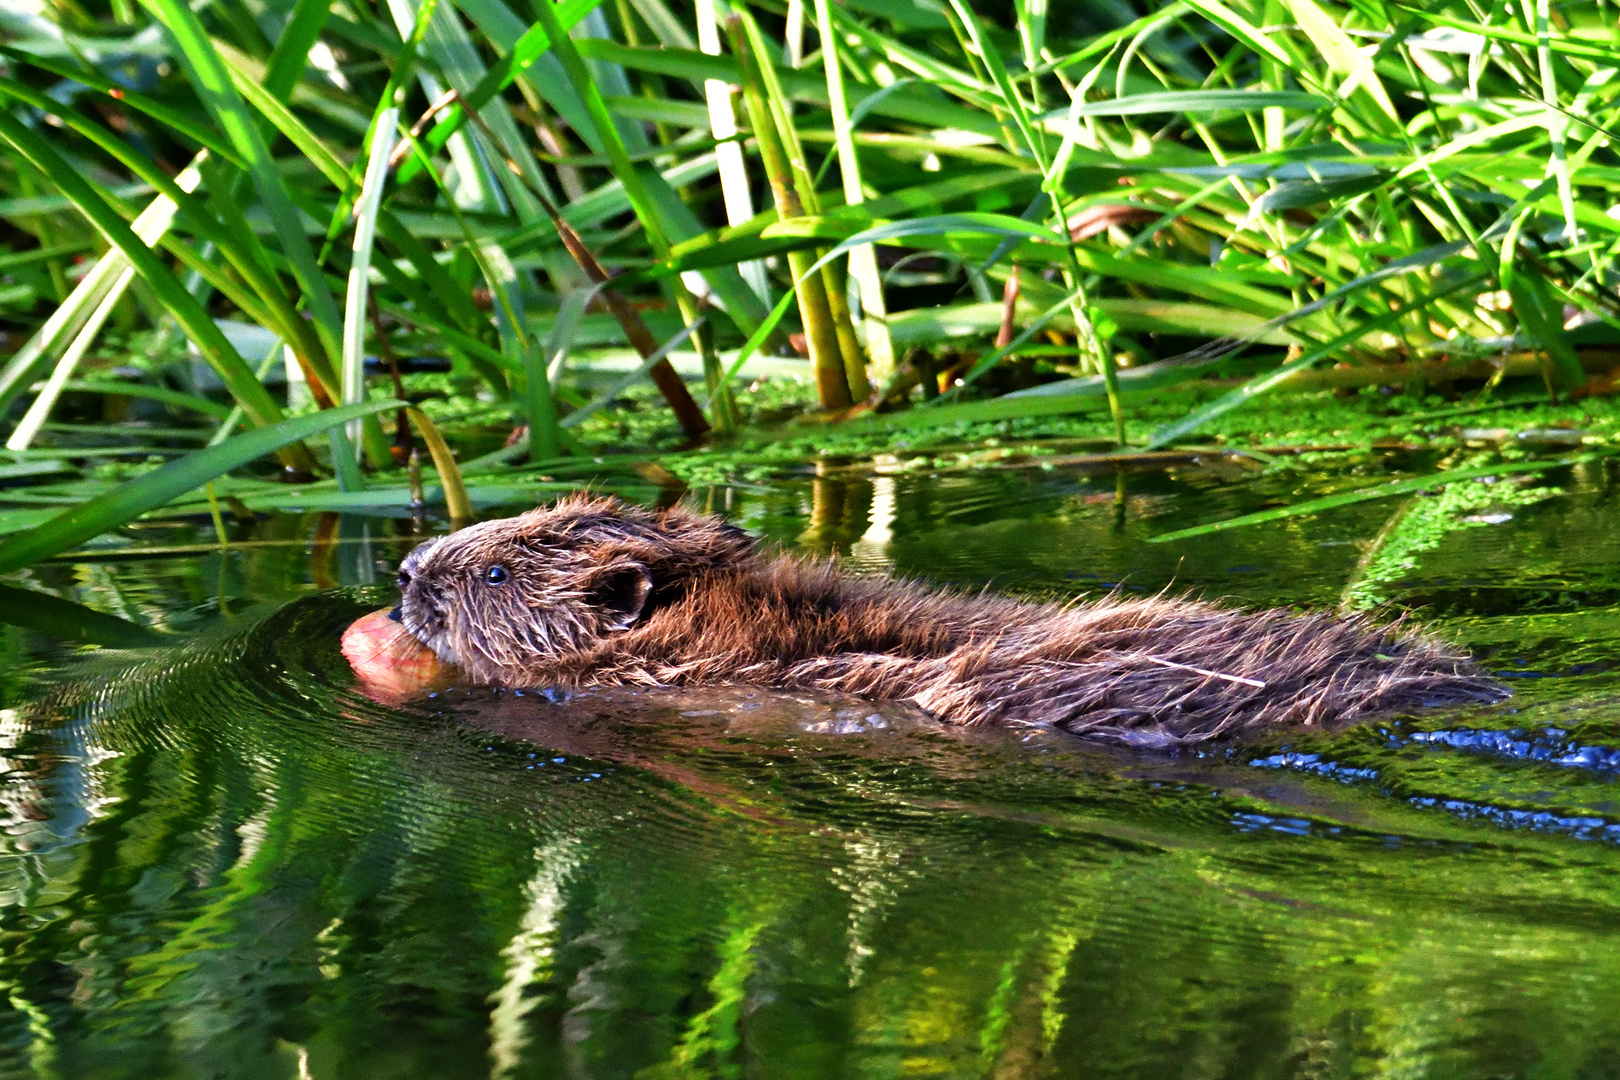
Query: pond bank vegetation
342, 257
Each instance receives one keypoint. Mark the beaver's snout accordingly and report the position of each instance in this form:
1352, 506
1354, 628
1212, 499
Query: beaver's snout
422, 615
421, 607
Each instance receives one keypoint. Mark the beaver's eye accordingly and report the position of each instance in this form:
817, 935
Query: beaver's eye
496, 575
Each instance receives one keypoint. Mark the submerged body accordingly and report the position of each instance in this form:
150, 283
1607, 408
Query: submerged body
591, 592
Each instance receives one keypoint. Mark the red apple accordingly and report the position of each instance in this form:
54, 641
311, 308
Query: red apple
389, 661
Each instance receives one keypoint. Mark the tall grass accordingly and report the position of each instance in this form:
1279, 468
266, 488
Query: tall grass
1113, 197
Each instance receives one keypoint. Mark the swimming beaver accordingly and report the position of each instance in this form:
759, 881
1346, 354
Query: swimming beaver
594, 592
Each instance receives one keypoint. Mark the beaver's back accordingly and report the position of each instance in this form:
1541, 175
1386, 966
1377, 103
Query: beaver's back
1152, 671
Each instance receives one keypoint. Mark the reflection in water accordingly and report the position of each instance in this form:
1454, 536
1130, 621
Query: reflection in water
872, 549
840, 515
222, 859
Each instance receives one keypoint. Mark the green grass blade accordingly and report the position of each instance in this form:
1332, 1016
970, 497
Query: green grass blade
444, 462
782, 157
1560, 44
149, 226
1241, 29
67, 621
191, 316
266, 302
607, 133
721, 115
40, 410
1258, 385
67, 319
1349, 498
525, 50
863, 265
172, 119
161, 394
939, 225
983, 367
274, 110
1346, 60
540, 406
925, 66
133, 498
1030, 16
211, 79
453, 338
578, 416
355, 308
1188, 101
448, 58
1541, 316
909, 104
1009, 94
291, 53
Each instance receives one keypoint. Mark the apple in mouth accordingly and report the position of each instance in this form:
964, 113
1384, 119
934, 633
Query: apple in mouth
389, 661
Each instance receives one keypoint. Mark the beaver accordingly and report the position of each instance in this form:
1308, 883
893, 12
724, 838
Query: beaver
594, 592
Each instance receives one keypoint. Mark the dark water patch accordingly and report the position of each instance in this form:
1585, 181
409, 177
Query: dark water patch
1486, 600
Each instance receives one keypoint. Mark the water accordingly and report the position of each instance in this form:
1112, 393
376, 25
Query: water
223, 860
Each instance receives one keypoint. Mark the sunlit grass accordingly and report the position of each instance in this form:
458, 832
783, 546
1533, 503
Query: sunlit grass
935, 208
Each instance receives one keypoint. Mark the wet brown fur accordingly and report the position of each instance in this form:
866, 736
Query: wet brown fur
600, 593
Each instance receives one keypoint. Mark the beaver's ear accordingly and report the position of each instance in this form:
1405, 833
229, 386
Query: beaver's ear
620, 594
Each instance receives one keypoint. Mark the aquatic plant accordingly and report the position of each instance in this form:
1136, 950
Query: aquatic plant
955, 219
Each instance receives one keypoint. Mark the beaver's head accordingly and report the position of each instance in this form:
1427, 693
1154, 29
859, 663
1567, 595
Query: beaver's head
506, 596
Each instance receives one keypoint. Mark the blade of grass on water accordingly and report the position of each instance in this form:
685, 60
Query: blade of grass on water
1381, 491
67, 621
162, 485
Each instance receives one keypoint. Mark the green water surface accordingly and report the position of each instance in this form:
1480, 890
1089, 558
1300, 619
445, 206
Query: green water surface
220, 859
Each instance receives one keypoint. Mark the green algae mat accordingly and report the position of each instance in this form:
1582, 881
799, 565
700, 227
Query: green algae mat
220, 858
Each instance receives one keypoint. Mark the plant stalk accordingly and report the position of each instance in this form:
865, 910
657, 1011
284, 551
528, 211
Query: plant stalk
810, 288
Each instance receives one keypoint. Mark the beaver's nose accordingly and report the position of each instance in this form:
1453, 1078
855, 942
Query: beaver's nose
395, 613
